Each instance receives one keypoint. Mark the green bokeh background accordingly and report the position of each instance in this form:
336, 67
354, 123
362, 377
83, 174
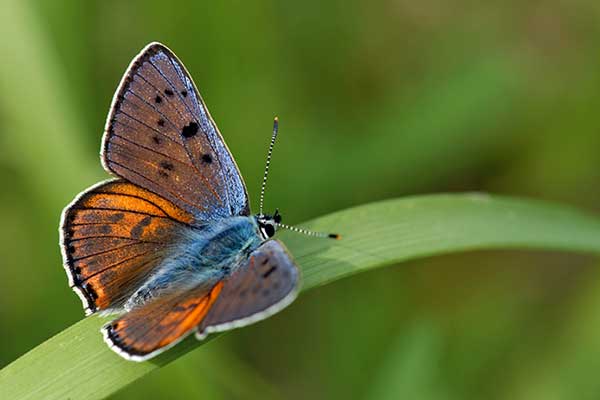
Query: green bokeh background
377, 100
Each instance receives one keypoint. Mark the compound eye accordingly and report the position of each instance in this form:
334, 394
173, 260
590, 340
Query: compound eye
269, 230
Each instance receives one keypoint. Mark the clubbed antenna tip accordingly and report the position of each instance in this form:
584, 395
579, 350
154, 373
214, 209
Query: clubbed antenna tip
308, 232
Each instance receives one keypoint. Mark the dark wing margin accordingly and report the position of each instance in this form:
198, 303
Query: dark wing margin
112, 236
265, 284
160, 136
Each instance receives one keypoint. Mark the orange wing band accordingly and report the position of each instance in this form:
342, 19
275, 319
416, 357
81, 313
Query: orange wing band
153, 327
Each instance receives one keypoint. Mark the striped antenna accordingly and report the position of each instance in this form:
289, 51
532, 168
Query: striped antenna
264, 182
308, 232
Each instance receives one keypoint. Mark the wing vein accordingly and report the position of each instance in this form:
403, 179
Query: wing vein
117, 209
159, 320
119, 263
139, 198
114, 237
194, 206
176, 90
195, 119
154, 108
145, 124
196, 170
166, 98
201, 107
137, 242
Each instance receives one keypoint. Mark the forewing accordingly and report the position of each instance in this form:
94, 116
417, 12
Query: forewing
265, 284
154, 327
160, 136
112, 236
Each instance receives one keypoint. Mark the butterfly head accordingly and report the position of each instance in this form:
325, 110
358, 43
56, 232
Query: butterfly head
268, 224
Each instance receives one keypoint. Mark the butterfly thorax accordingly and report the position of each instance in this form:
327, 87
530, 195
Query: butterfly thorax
206, 255
220, 244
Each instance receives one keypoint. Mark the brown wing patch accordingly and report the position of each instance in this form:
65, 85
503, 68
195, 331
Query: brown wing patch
158, 119
265, 283
113, 235
143, 332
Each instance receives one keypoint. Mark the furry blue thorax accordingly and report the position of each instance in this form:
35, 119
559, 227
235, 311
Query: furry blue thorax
204, 256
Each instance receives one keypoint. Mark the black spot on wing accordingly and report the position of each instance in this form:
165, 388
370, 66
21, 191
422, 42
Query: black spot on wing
169, 92
184, 93
156, 139
190, 130
158, 99
270, 271
207, 158
160, 122
137, 230
167, 165
116, 217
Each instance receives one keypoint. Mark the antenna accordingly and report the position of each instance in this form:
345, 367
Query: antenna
264, 182
308, 232
276, 218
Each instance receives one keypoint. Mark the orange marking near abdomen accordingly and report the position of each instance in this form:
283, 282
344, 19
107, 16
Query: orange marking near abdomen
163, 321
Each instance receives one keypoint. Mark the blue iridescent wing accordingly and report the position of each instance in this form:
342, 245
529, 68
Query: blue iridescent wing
160, 136
267, 282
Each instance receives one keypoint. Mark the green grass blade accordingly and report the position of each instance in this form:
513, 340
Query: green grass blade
76, 364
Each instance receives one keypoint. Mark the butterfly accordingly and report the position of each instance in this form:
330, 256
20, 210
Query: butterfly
169, 244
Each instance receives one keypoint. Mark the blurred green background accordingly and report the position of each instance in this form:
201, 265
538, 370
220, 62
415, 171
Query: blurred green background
376, 99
